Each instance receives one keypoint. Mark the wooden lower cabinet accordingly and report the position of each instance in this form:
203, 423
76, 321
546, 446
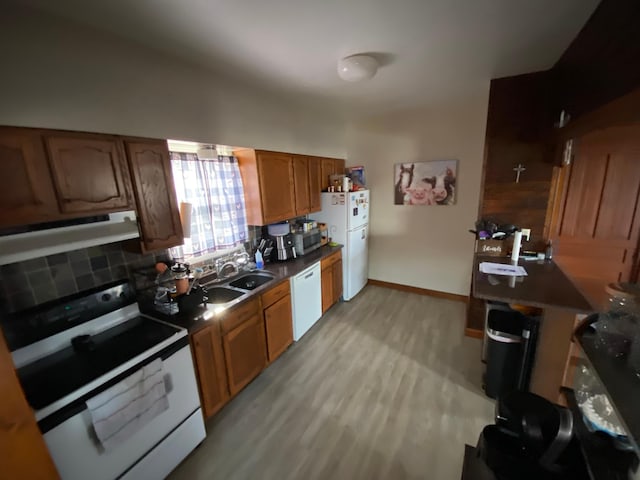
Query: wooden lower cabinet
331, 280
23, 452
210, 367
337, 281
278, 320
327, 287
245, 352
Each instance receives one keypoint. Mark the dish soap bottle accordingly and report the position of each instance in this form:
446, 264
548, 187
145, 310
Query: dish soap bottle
259, 260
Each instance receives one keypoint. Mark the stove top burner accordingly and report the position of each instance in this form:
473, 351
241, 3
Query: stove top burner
61, 373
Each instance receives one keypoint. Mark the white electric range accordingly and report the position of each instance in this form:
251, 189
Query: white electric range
69, 351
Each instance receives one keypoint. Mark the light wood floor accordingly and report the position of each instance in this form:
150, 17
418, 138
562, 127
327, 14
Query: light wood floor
384, 386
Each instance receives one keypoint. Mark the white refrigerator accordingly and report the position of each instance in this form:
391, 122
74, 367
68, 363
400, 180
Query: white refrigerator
347, 219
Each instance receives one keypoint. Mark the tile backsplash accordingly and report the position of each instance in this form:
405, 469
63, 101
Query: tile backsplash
32, 282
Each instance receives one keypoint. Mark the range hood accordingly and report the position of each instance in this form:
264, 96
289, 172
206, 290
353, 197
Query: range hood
26, 246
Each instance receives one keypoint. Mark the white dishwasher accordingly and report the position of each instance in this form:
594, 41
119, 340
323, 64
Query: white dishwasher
306, 294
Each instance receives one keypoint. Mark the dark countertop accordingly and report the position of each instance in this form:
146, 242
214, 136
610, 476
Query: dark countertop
619, 380
545, 286
203, 316
602, 459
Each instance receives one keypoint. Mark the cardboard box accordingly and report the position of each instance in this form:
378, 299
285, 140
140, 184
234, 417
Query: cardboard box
491, 248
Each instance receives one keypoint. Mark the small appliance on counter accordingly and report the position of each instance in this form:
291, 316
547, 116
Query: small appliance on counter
283, 242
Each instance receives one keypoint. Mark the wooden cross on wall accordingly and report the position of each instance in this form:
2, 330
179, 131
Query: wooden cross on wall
519, 169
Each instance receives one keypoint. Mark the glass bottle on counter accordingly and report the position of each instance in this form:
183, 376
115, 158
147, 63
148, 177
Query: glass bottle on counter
619, 327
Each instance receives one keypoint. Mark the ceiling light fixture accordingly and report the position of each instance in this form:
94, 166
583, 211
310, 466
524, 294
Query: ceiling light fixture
357, 68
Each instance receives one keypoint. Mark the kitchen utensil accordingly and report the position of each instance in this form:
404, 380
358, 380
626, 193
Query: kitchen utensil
196, 278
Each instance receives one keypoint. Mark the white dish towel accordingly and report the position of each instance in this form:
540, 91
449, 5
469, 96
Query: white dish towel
120, 411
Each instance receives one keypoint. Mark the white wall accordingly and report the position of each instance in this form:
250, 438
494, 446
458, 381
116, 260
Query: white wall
429, 246
56, 74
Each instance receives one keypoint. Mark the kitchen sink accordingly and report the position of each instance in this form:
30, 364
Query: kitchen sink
252, 281
221, 295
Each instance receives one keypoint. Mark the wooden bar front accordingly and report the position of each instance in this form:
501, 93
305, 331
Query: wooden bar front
548, 288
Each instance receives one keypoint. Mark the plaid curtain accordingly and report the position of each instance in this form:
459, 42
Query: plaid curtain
214, 188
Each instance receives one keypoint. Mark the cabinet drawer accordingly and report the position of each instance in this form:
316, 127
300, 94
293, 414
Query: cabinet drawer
275, 294
331, 259
239, 315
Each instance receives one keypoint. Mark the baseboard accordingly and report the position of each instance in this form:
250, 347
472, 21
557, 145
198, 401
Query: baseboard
421, 291
473, 333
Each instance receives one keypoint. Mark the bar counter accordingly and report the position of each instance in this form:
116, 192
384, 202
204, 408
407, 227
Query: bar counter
547, 287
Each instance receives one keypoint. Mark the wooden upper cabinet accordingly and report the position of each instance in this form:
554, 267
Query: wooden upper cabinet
155, 194
275, 172
326, 170
245, 352
315, 185
210, 367
330, 166
89, 173
268, 182
301, 184
27, 195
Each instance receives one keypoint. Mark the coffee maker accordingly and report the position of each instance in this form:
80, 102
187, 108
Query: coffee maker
284, 247
283, 240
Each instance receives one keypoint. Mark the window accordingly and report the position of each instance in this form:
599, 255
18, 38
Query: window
214, 188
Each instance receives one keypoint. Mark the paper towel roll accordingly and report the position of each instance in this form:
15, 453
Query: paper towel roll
517, 242
185, 218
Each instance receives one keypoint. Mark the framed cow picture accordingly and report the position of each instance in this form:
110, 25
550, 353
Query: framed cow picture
425, 183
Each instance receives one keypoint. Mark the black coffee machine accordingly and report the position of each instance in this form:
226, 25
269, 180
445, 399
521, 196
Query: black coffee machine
532, 439
284, 249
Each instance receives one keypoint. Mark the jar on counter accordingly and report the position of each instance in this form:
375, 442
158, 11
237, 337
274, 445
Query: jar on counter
180, 278
619, 327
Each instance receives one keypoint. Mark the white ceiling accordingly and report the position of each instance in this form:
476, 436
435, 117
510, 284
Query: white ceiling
431, 50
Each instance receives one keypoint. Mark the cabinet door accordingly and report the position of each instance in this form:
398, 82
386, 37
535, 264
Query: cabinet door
326, 169
338, 166
275, 171
155, 194
327, 287
278, 323
301, 184
245, 352
89, 173
27, 194
315, 185
24, 453
212, 379
337, 281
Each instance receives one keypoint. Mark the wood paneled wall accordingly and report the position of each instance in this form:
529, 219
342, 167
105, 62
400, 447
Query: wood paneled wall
519, 131
601, 64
